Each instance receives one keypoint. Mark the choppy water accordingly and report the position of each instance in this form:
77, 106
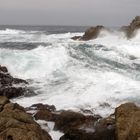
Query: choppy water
96, 75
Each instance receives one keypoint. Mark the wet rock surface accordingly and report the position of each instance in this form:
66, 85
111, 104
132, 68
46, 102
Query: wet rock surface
16, 124
124, 124
131, 29
8, 82
74, 125
90, 128
127, 122
90, 33
43, 112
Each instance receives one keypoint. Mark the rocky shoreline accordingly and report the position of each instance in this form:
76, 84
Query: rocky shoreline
93, 32
19, 123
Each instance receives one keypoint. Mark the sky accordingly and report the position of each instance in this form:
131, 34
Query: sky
68, 12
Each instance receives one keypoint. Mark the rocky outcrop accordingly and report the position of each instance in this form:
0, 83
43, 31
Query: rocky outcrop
131, 29
74, 125
7, 83
127, 122
43, 112
90, 33
16, 124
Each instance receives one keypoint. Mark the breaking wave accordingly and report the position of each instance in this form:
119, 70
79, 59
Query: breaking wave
96, 75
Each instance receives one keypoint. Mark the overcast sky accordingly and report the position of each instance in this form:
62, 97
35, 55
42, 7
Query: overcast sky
68, 12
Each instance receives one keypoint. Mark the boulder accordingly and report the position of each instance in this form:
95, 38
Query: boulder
45, 115
16, 124
76, 38
12, 92
68, 119
127, 122
131, 29
43, 112
7, 84
41, 106
3, 69
91, 33
79, 134
80, 127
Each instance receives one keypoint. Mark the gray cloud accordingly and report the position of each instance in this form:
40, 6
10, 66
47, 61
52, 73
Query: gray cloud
68, 12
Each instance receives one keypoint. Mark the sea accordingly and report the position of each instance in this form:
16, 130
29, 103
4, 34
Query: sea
92, 76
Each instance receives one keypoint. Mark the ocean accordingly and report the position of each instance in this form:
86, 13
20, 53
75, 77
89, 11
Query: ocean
96, 75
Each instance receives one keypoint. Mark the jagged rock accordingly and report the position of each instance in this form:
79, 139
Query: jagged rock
90, 33
43, 112
7, 83
79, 127
16, 124
45, 115
127, 122
131, 29
3, 69
68, 119
79, 134
76, 38
12, 92
43, 107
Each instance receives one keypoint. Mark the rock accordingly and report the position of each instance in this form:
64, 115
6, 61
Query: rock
74, 125
43, 112
3, 100
68, 119
7, 83
77, 126
12, 92
127, 122
76, 38
43, 107
16, 124
3, 69
91, 129
19, 81
45, 115
90, 33
131, 29
77, 134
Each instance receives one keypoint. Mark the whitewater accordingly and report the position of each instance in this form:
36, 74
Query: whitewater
86, 76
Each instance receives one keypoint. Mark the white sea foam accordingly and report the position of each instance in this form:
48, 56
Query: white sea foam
49, 126
76, 74
11, 31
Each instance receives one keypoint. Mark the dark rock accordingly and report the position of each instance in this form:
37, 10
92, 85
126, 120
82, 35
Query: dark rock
43, 112
103, 129
77, 134
3, 69
12, 92
19, 81
45, 115
68, 119
43, 107
16, 124
90, 33
127, 122
131, 29
7, 83
76, 38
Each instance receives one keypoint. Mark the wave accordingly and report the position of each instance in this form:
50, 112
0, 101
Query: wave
35, 62
11, 31
96, 75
